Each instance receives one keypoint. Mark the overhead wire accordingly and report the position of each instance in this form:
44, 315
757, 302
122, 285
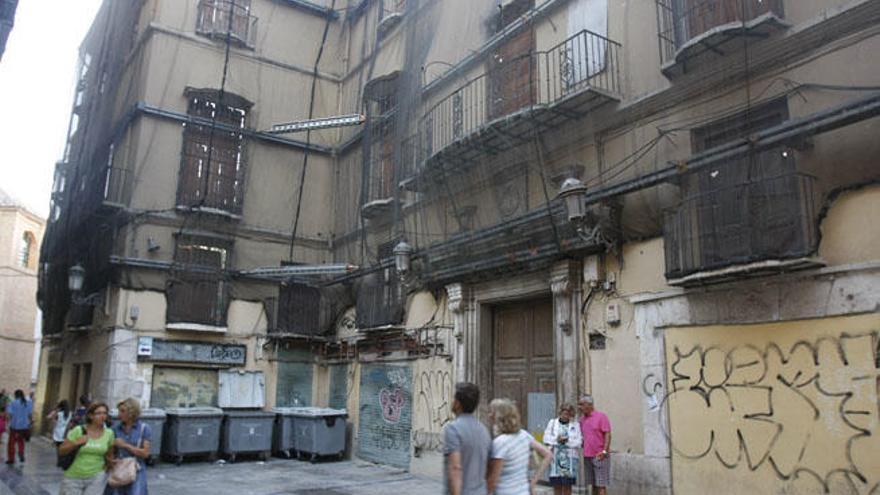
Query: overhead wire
305, 161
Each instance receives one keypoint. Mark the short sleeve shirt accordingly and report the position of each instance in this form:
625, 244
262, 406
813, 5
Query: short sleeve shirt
470, 438
593, 429
19, 413
90, 458
132, 437
514, 450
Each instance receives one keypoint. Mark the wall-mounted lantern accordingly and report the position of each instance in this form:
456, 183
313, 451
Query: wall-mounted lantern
572, 194
402, 256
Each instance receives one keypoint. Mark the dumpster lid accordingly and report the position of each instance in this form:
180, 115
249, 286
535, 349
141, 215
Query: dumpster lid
316, 412
149, 413
194, 411
244, 413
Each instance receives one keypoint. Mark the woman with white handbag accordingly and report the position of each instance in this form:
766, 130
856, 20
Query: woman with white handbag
563, 437
129, 473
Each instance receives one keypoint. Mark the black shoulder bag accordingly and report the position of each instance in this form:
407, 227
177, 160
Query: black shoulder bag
66, 460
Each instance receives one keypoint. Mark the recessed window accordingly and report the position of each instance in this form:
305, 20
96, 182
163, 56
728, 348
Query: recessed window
213, 161
213, 20
197, 291
26, 248
742, 210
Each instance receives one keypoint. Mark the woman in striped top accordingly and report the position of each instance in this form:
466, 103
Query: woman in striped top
509, 463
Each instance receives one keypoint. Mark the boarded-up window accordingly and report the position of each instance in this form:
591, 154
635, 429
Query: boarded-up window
299, 308
197, 291
183, 387
511, 70
213, 161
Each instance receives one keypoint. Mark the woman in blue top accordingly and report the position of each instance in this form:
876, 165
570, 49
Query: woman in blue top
132, 440
18, 415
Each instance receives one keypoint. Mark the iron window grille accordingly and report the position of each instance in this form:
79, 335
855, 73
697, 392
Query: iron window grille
299, 309
754, 208
219, 186
381, 102
213, 21
197, 290
381, 298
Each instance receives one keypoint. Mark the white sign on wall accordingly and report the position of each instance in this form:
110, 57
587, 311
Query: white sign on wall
145, 346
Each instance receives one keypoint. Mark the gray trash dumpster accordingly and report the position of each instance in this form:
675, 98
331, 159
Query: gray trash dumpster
155, 419
191, 430
283, 436
246, 432
319, 432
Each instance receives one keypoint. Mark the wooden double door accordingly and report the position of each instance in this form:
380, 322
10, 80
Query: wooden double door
523, 352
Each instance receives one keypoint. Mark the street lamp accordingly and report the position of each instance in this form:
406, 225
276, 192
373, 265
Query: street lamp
402, 256
76, 275
572, 194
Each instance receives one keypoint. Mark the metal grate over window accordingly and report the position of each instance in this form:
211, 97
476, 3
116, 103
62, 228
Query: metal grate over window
213, 161
299, 308
197, 291
213, 20
748, 209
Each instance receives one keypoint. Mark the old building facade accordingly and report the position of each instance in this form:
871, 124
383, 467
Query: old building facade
21, 232
662, 203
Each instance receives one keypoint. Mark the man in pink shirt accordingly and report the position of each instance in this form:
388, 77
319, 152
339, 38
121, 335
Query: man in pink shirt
596, 431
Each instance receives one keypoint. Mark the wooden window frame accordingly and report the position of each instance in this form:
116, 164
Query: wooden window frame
219, 188
199, 279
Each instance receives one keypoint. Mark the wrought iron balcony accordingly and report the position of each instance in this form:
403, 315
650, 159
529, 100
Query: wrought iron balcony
750, 226
213, 21
502, 106
689, 29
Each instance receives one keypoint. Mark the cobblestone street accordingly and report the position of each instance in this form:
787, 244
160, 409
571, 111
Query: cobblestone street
276, 476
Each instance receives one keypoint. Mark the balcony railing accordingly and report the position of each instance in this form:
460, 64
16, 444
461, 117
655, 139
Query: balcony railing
539, 80
683, 21
769, 219
213, 21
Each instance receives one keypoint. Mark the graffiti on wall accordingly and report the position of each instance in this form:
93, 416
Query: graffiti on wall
392, 401
432, 394
385, 419
782, 403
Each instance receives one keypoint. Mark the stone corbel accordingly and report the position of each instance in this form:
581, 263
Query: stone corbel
560, 285
457, 305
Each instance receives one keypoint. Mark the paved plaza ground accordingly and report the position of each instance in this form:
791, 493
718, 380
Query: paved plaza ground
276, 476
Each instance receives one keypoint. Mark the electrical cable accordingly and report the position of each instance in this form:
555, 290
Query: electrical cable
305, 164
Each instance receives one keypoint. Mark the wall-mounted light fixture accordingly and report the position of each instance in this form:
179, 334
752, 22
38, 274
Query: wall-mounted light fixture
572, 194
76, 276
596, 223
402, 257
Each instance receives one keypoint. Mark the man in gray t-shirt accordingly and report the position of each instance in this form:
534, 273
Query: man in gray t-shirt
466, 445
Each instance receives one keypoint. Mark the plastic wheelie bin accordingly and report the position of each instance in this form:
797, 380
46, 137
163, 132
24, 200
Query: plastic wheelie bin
155, 419
246, 432
192, 430
283, 435
319, 432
